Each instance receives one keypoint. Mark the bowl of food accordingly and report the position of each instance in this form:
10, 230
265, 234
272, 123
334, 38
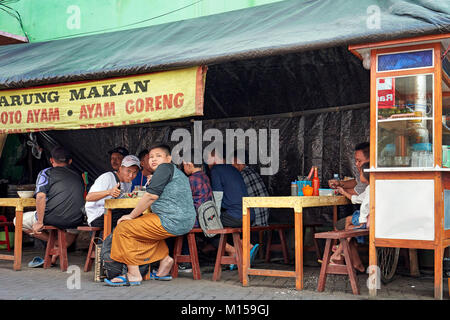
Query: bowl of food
25, 194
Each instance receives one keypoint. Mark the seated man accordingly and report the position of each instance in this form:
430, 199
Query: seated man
59, 199
116, 157
255, 188
227, 181
140, 239
199, 182
141, 177
355, 186
110, 185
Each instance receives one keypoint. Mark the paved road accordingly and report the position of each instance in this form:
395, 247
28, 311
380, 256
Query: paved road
39, 283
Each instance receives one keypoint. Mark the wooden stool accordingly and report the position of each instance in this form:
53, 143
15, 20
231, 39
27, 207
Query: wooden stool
192, 257
59, 235
282, 246
316, 246
347, 268
91, 252
5, 224
222, 257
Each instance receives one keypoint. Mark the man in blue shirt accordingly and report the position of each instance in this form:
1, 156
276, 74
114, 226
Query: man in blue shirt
227, 180
141, 177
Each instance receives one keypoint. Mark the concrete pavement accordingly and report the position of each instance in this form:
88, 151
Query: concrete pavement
52, 284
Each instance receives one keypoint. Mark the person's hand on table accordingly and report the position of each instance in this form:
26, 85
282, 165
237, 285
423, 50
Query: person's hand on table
334, 183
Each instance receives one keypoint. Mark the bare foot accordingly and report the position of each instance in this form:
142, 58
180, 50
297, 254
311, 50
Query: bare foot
131, 278
337, 258
165, 266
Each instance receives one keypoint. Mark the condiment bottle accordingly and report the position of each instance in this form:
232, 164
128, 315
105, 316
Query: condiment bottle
294, 188
315, 183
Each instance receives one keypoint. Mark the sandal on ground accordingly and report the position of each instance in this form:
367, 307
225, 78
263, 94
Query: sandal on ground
153, 276
36, 262
124, 283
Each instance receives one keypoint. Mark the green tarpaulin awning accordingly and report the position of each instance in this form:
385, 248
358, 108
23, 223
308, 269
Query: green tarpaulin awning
282, 27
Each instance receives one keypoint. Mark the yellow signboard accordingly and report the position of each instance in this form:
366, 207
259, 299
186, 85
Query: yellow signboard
106, 103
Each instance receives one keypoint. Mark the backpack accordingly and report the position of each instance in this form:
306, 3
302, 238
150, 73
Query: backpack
112, 268
208, 217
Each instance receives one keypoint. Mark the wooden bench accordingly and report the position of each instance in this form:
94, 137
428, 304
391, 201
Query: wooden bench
56, 234
192, 257
221, 257
346, 268
91, 252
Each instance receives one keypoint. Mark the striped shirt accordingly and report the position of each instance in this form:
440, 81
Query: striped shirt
256, 188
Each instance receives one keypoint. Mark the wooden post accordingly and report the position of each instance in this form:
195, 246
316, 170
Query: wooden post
413, 263
245, 243
107, 223
373, 269
18, 239
298, 221
438, 260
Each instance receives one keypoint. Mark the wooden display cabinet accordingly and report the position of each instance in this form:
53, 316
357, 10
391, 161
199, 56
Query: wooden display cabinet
409, 135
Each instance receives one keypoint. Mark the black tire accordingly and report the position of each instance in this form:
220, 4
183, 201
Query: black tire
387, 260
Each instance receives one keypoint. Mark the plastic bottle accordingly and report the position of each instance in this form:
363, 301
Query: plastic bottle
294, 188
336, 177
315, 183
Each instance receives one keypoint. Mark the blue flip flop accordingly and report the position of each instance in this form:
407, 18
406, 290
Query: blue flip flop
153, 276
36, 262
253, 253
123, 283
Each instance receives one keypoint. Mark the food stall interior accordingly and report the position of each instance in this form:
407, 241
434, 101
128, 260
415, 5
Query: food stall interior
288, 68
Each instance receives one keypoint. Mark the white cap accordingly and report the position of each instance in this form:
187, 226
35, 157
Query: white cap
131, 160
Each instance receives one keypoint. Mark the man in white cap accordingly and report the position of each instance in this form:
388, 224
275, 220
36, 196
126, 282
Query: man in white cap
113, 184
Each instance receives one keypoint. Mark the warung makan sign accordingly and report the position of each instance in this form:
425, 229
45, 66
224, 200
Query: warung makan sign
106, 103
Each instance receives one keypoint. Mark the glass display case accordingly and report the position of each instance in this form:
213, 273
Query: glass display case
405, 121
409, 147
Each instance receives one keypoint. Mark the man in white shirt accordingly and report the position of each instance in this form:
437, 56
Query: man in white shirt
355, 186
113, 184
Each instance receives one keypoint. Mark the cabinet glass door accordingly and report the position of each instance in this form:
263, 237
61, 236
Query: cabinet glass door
405, 121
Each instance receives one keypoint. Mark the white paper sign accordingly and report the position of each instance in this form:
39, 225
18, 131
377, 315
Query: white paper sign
404, 209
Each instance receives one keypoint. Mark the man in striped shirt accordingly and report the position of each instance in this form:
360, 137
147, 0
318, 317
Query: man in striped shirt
255, 188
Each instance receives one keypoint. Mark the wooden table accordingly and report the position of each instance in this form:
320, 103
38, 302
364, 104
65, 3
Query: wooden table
110, 204
19, 204
296, 203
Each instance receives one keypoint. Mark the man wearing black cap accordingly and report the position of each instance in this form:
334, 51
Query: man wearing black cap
59, 199
116, 157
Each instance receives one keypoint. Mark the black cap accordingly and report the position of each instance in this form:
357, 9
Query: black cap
120, 150
60, 154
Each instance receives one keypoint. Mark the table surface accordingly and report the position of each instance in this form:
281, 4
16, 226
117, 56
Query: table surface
122, 203
17, 202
